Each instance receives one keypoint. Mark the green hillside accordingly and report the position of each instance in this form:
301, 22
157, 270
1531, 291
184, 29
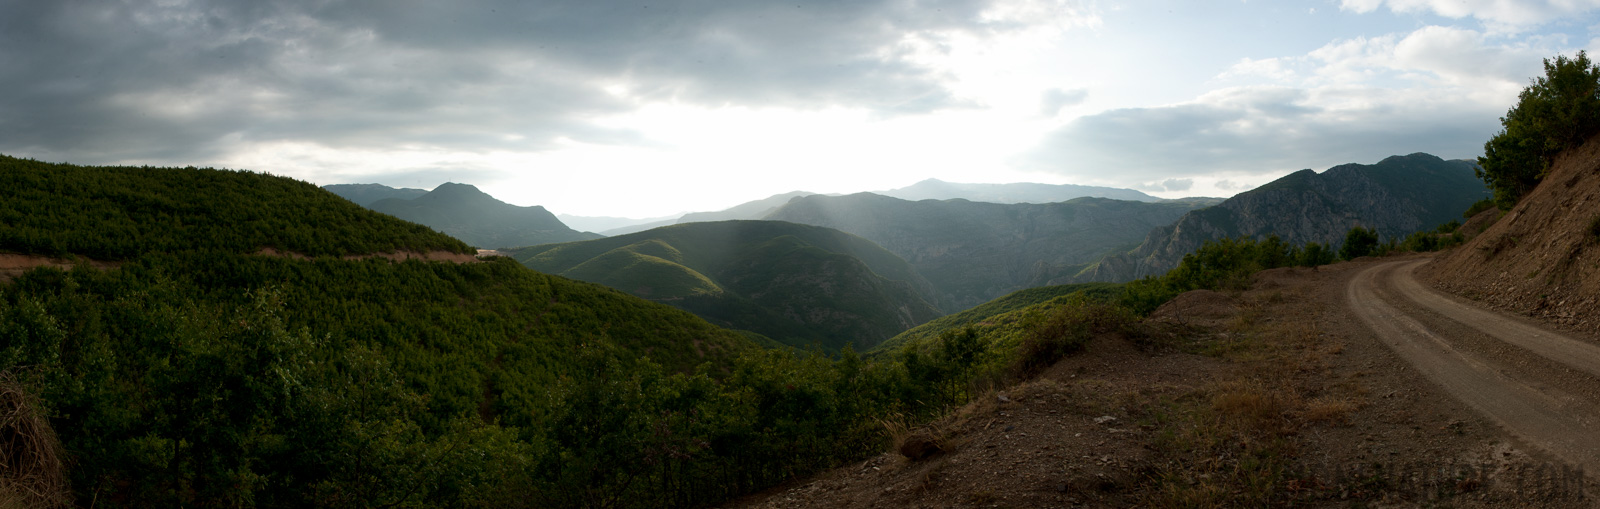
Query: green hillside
800, 285
196, 373
115, 213
1000, 312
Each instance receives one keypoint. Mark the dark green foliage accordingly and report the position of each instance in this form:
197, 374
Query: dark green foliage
1014, 301
1225, 264
1556, 112
1478, 206
1359, 242
1442, 237
115, 213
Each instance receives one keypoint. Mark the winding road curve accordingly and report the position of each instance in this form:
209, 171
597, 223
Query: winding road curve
1542, 386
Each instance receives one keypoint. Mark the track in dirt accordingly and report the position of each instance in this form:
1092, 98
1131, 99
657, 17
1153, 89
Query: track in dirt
1541, 386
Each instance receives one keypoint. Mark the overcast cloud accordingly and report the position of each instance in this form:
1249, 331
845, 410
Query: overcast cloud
651, 107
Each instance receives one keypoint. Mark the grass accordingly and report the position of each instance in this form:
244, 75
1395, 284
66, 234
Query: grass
1232, 443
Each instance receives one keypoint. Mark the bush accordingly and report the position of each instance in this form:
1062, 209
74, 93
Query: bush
1557, 112
1359, 242
1225, 264
1480, 206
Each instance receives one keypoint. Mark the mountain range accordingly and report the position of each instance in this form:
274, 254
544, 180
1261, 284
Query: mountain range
799, 285
365, 194
1020, 192
1396, 196
973, 252
464, 212
748, 210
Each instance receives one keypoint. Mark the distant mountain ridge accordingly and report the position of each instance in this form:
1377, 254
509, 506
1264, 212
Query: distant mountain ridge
797, 284
1397, 196
464, 212
366, 194
599, 224
973, 252
756, 209
1020, 192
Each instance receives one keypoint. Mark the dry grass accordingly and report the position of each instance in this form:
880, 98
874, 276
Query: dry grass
32, 472
1328, 409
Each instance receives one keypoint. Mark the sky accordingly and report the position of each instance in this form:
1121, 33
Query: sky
654, 107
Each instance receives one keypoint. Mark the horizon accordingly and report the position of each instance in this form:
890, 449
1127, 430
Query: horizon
640, 110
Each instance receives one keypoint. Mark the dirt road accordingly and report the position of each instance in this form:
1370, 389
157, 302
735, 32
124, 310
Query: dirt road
1541, 386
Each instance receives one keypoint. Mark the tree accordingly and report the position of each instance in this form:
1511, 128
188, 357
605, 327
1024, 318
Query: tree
1358, 242
1554, 113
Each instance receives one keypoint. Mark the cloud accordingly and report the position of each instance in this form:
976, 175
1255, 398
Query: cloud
190, 80
1173, 184
1428, 56
1053, 100
1503, 15
1250, 130
1435, 89
1229, 185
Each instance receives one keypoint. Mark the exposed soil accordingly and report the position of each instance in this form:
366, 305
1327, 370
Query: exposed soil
13, 265
397, 256
1278, 395
1541, 259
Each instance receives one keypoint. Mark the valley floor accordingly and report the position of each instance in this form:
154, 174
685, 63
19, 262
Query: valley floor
1285, 393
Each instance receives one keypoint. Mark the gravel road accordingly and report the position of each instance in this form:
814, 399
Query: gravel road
1541, 386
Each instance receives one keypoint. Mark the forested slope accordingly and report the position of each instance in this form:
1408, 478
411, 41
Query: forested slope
199, 374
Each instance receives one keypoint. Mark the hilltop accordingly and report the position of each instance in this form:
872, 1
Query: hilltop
464, 212
797, 284
973, 252
1397, 196
119, 213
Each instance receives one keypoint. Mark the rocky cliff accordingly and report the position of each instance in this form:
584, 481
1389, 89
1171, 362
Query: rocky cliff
1397, 196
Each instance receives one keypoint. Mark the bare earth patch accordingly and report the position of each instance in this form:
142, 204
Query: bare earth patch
397, 256
13, 265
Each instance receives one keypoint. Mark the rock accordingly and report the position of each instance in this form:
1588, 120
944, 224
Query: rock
919, 446
1104, 419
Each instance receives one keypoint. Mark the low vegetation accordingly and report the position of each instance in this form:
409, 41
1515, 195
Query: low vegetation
1225, 264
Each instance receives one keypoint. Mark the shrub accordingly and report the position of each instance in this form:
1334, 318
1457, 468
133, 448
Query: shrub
1479, 206
1359, 242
